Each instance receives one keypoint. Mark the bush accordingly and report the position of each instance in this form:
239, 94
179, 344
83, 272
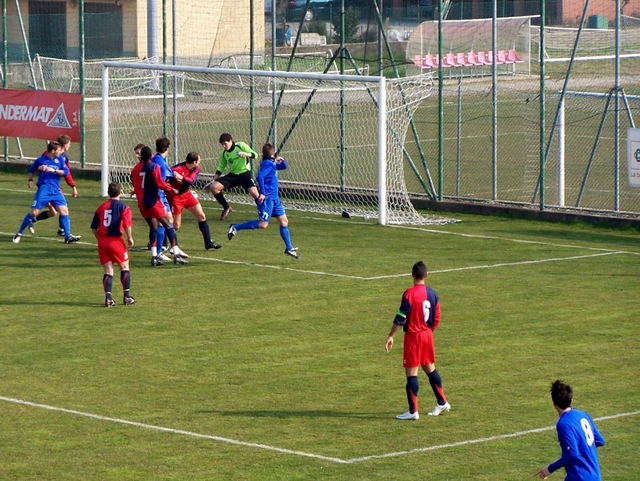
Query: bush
351, 22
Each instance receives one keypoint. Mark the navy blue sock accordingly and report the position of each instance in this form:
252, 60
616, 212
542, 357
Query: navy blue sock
125, 278
436, 384
107, 283
413, 387
171, 234
204, 228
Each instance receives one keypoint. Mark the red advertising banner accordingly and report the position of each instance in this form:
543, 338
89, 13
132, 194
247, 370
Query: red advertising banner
39, 114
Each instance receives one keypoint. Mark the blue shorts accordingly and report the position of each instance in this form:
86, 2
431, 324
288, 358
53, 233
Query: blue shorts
45, 195
271, 206
165, 201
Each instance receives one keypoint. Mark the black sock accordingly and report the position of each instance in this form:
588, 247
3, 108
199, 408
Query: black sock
206, 234
43, 215
223, 202
107, 282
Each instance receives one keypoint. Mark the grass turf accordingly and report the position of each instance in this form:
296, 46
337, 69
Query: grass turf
250, 345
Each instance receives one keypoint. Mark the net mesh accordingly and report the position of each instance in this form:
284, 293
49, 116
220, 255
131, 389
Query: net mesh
332, 149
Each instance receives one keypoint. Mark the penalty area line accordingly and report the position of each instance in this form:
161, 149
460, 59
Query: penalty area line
171, 430
504, 264
477, 440
293, 451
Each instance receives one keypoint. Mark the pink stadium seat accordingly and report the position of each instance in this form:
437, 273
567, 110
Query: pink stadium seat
472, 59
490, 59
482, 57
502, 57
450, 60
513, 56
461, 59
417, 61
430, 61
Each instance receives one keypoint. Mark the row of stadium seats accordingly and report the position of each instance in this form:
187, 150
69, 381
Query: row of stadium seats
469, 59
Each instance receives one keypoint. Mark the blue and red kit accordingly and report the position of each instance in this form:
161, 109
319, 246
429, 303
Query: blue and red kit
419, 315
109, 222
184, 198
147, 185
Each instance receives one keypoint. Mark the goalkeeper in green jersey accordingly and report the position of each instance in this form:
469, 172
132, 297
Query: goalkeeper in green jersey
237, 157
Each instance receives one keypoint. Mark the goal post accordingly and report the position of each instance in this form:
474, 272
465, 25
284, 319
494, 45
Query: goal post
358, 168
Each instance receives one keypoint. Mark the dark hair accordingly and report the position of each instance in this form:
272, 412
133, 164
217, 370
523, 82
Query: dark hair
138, 147
53, 145
145, 153
561, 394
162, 145
114, 189
268, 151
419, 270
192, 157
225, 138
64, 139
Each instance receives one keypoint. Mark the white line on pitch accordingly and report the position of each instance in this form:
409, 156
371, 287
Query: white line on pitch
292, 451
503, 264
171, 430
476, 441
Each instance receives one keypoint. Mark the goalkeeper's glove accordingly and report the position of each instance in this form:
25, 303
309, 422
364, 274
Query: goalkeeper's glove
245, 155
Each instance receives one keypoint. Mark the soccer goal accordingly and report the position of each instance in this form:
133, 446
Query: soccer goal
342, 134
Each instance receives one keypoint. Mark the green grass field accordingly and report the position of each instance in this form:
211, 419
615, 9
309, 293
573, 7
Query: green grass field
250, 365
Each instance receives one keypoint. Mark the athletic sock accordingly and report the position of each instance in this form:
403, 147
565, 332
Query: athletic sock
413, 387
65, 222
436, 384
59, 221
173, 237
286, 237
160, 236
125, 278
28, 219
43, 216
223, 202
206, 234
249, 225
107, 283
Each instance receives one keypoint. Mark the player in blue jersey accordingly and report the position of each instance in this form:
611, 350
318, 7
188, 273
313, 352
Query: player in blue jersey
160, 159
578, 438
65, 143
50, 168
268, 201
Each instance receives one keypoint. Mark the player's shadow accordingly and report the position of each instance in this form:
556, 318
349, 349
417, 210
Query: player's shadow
280, 414
39, 304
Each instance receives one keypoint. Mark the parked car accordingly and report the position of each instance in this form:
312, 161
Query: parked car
318, 9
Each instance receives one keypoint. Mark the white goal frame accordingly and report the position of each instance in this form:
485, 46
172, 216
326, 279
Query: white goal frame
382, 112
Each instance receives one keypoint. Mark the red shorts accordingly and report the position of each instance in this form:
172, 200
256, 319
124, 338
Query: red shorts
418, 349
182, 201
112, 249
156, 212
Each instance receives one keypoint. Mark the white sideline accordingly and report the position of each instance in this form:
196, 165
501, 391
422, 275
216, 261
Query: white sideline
374, 278
291, 451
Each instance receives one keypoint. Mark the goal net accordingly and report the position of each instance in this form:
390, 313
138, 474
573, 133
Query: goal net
343, 135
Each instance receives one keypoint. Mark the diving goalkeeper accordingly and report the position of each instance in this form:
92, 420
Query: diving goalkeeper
236, 156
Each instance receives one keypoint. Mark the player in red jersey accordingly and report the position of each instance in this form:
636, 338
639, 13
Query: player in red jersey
147, 183
184, 176
419, 316
65, 142
111, 220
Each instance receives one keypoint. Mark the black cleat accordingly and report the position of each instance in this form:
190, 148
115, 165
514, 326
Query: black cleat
127, 301
72, 238
60, 230
232, 231
212, 245
292, 252
179, 260
109, 303
156, 261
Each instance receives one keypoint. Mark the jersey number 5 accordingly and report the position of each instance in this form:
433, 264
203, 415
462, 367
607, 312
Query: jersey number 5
107, 218
588, 433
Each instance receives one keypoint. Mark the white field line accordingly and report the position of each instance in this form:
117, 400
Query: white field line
371, 278
292, 451
477, 441
171, 430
